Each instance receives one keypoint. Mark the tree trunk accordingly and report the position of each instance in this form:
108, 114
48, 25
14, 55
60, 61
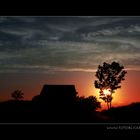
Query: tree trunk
110, 101
108, 105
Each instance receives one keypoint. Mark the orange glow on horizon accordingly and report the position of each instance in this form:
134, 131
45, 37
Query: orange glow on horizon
31, 85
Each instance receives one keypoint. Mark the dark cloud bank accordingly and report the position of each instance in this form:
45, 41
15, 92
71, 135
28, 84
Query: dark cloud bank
52, 44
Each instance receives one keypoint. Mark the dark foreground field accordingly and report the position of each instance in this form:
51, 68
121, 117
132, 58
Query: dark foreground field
29, 112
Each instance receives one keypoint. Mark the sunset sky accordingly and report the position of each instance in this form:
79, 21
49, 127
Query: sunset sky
67, 50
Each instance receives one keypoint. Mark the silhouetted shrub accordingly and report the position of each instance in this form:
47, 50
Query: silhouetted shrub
17, 94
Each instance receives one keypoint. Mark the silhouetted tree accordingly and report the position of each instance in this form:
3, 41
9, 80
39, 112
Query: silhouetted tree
89, 103
17, 94
109, 79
